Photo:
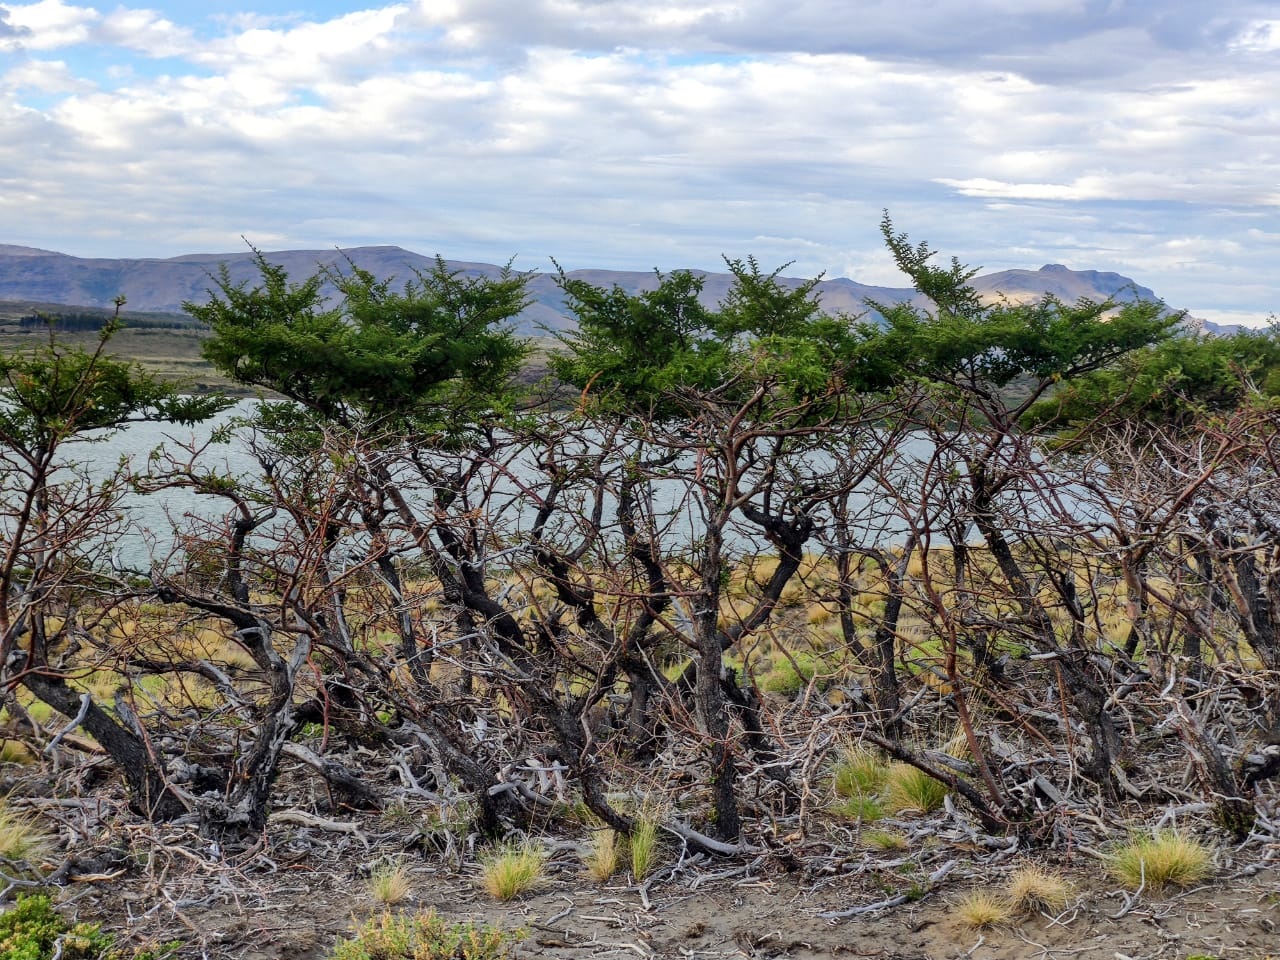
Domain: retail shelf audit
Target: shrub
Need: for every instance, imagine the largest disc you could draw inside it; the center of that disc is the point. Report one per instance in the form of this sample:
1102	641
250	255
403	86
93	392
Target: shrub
510	871
1165	858
32	930
425	936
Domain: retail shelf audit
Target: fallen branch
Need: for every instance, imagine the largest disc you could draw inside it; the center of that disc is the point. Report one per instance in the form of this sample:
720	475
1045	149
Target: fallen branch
709	844
304	819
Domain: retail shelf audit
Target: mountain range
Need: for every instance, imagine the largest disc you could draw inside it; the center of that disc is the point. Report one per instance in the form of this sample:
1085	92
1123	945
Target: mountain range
162	286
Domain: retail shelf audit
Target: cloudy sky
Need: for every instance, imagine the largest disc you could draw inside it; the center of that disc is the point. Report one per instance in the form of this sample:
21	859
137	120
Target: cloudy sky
1141	136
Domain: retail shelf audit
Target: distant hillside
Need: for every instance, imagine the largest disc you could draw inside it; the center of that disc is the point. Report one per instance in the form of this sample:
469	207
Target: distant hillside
161	286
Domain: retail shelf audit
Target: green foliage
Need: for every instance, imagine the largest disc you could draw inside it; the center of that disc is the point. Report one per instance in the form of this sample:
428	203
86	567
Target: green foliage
431	352
1172	381
425	936
789	675
626	348
32	930
648	354
981	348
56	393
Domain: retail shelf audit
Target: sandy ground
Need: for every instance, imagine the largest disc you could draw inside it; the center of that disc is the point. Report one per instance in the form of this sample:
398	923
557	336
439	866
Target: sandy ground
282	906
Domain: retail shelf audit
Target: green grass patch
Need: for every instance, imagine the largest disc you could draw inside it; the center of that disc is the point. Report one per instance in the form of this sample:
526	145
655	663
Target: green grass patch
426	936
32	930
1165	858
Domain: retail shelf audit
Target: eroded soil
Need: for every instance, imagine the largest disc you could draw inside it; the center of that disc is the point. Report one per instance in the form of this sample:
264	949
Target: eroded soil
294	898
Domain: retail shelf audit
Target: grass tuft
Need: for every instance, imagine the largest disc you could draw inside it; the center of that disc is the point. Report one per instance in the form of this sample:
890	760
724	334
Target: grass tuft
510	871
16	752
909	789
866	809
859	772
389	883
886	841
1166	858
644	847
859	779
425	936
606	852
980	910
1033	889
20	836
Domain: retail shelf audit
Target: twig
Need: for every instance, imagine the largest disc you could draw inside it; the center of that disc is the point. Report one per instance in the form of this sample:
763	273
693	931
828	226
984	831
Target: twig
85	701
1131	899
701	840
897	901
302	818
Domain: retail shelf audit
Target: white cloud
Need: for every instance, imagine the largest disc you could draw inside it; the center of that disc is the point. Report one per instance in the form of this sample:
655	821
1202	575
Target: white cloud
983	187
145	31
1260	36
631	133
50	24
45	76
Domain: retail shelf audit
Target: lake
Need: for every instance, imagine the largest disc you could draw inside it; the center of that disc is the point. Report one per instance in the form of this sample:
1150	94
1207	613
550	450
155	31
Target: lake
154	514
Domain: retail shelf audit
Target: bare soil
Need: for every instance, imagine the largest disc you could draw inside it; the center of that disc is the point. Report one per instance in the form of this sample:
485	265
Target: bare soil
297	893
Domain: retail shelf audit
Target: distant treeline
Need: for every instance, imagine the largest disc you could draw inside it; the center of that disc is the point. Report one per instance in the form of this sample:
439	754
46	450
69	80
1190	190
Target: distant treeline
80	321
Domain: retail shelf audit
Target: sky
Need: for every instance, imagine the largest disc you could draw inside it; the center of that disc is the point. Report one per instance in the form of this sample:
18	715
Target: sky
1139	136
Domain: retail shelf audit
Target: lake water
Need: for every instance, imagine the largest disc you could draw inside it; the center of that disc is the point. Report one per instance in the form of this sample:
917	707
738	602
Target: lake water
154	514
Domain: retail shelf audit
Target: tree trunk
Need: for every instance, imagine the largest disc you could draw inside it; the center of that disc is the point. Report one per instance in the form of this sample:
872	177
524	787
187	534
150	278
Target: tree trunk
149	795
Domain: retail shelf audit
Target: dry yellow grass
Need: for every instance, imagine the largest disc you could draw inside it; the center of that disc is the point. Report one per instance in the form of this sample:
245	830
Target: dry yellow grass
21	837
980	910
1166	858
1035	889
818	614
605	855
389	883
510	871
